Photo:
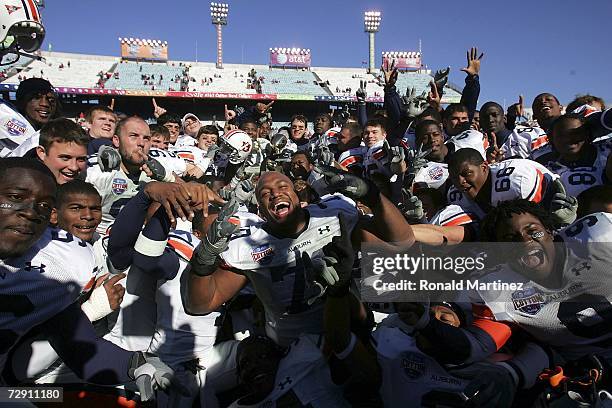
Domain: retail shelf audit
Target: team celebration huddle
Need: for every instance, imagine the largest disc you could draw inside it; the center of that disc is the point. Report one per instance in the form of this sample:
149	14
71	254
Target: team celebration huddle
150	256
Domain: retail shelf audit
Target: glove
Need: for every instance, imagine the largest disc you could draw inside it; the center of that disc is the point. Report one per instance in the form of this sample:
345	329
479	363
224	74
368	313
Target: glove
397	156
414	104
413	207
159	171
339	181
339	257
491	385
244	191
151	374
109	158
361	92
212	150
326	157
204	260
563	206
441	78
417	160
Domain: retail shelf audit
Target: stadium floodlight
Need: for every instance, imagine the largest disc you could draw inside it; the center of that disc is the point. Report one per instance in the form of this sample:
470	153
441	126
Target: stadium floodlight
371	21
218	15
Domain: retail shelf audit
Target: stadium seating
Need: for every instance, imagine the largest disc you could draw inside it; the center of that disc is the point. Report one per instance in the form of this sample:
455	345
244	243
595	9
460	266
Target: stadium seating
82	73
233	78
290	81
130	76
341	79
421	82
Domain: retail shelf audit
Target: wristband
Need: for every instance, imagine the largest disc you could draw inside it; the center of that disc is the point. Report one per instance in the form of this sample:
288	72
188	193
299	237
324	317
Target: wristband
97	306
149	247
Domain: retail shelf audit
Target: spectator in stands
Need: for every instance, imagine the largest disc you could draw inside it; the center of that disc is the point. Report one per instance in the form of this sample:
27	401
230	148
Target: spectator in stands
37	101
160	137
63	149
101	122
170	122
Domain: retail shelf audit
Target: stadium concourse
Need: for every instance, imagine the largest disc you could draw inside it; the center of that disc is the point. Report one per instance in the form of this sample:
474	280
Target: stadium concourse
185	234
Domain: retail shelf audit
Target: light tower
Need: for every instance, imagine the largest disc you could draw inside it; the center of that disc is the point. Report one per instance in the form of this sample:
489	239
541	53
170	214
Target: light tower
372	22
218	14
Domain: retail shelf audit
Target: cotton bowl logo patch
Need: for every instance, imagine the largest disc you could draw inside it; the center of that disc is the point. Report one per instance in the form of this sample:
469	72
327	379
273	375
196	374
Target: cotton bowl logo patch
528	301
119	186
413	365
436	173
262	254
15	127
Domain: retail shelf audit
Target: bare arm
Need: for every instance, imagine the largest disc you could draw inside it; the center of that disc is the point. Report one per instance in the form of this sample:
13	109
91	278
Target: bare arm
439	235
205	294
388	224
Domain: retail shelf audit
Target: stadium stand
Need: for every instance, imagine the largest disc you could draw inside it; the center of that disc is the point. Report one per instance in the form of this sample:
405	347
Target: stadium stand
81	72
340	80
421	83
233	78
160	76
290	82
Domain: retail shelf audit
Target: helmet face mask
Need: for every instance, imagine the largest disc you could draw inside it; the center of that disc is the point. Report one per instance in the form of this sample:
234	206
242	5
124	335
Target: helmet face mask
21	29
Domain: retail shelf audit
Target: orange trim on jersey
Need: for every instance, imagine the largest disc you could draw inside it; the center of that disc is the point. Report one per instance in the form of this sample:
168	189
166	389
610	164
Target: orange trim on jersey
234	220
186	156
379	154
539	142
499	332
350	160
463	219
539	190
184	249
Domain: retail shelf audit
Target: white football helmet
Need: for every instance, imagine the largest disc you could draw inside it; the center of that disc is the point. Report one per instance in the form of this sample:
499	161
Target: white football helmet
237	145
21	29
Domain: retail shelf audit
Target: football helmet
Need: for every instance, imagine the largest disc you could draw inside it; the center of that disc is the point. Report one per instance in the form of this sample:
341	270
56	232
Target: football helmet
237	145
21	29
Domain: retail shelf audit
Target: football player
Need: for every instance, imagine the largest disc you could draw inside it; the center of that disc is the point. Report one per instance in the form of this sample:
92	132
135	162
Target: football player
269	253
42	272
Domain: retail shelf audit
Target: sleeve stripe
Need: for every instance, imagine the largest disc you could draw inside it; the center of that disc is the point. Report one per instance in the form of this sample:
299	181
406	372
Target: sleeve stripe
348	161
499	332
185	250
537	193
539	142
460	219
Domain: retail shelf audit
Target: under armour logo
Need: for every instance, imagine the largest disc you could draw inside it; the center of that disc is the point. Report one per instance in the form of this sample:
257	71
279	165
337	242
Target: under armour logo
579	268
324	230
287	381
30	267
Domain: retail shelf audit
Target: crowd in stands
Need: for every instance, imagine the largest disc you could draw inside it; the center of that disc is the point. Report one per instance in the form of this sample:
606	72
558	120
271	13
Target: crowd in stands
232	264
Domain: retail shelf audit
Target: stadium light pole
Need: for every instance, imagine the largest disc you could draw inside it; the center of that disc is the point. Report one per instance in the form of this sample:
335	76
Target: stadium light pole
371	24
218	14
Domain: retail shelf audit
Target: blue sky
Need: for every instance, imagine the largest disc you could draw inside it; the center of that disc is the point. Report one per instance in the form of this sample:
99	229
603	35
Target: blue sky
530	47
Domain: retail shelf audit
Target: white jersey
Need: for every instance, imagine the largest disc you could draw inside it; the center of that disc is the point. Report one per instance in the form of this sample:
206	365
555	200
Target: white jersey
41	283
472	139
377	161
407	372
432	175
192	155
452	216
14	130
179	336
303	377
579	178
510	179
116	189
185	140
575	317
169	160
523	142
274	267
